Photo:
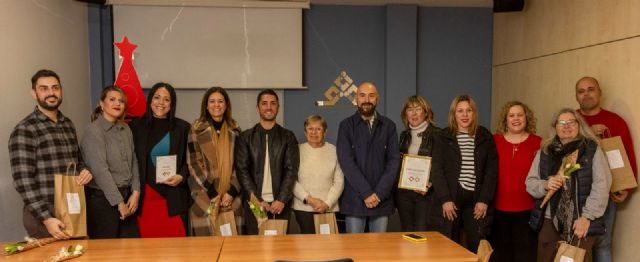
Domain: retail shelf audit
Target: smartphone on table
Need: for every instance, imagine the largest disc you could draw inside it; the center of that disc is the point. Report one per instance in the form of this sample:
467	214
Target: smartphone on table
414	237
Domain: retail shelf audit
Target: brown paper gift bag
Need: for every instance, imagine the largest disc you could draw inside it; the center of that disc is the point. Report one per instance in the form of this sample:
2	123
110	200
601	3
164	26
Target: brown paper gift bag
69	203
569	253
325	223
225	224
484	251
273	227
621	172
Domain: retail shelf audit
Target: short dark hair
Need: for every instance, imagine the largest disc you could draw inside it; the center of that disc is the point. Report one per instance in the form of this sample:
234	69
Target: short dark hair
43	73
267	92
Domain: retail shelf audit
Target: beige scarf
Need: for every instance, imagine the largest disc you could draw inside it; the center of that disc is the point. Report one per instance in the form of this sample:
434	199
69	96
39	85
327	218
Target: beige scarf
224	159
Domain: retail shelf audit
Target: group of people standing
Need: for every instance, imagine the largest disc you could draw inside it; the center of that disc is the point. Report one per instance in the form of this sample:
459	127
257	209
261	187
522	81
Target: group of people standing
482	186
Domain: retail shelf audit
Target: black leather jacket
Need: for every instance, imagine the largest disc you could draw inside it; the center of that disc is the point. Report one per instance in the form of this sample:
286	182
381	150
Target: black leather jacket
426	146
284	157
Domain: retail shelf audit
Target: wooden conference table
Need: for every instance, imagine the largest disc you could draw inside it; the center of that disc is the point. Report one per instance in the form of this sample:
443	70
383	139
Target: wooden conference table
360	247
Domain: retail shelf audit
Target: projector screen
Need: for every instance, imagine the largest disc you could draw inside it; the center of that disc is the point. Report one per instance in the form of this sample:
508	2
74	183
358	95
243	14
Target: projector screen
200	47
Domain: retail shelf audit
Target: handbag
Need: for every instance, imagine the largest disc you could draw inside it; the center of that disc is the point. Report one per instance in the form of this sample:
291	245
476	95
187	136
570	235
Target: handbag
569	253
69	203
484	251
225	224
273	227
325	223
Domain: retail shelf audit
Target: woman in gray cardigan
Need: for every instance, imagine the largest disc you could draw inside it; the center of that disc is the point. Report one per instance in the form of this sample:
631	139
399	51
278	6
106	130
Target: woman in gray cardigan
107	149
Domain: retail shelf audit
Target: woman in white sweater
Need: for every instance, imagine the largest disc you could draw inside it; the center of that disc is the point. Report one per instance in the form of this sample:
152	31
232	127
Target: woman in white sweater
320	179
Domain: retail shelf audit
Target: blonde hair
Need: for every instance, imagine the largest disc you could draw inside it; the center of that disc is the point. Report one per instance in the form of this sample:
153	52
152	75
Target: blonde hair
584	133
97	112
422	103
531	120
453	125
316	118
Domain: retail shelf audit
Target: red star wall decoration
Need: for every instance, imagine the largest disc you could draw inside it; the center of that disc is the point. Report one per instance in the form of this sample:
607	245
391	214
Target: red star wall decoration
128	80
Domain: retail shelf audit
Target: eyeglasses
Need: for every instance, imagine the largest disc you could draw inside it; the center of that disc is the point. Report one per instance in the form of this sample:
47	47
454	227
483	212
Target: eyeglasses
314	129
570	122
414	109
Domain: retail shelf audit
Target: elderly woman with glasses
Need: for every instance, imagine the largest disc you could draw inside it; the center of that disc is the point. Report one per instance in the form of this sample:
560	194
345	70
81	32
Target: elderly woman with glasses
320	179
578	199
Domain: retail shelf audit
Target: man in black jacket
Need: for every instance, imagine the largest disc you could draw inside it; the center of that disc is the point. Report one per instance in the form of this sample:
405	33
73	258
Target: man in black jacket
266	160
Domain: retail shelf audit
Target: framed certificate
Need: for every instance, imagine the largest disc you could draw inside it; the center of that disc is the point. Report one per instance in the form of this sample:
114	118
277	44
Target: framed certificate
165	167
415	172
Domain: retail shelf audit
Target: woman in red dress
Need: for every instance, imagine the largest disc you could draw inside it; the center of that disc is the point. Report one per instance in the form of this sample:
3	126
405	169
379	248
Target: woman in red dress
517	144
164	202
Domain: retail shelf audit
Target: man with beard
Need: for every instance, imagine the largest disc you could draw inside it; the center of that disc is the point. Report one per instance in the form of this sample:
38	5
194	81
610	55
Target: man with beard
266	160
604	124
40	146
368	154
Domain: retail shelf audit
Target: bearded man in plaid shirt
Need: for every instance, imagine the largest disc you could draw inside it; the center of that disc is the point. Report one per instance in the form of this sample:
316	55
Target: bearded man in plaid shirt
40	146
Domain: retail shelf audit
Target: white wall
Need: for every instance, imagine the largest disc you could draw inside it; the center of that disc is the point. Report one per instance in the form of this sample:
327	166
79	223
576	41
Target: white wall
38	34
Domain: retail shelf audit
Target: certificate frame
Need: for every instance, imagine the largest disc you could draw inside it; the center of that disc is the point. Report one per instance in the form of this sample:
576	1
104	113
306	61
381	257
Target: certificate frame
411	170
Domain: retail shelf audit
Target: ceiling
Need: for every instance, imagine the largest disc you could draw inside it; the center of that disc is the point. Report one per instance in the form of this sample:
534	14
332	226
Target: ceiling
451	3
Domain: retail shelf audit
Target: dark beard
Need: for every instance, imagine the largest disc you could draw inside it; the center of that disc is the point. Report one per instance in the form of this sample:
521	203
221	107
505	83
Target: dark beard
369	113
44	105
263	117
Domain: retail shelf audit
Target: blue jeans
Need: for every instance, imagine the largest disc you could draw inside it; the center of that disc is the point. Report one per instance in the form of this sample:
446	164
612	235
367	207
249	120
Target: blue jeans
602	247
355	224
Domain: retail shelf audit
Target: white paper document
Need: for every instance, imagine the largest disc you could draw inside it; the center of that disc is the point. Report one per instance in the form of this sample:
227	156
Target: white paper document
225	230
566	259
165	167
615	159
325	229
270	232
73	203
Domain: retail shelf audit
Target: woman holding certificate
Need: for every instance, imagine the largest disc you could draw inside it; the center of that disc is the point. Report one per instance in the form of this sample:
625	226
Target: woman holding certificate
517	144
570	180
107	149
413	197
320	179
214	185
464	175
161	147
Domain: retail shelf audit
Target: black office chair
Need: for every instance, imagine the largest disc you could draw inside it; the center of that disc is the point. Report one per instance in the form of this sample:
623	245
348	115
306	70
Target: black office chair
346	259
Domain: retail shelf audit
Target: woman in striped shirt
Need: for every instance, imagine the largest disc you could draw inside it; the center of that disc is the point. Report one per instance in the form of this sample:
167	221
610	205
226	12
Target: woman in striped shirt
464	174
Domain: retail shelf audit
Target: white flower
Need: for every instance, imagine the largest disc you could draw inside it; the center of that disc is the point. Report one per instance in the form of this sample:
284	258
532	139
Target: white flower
19	248
79	248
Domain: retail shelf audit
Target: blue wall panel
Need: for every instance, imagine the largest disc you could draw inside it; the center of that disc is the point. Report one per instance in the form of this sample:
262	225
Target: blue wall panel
455	50
337	38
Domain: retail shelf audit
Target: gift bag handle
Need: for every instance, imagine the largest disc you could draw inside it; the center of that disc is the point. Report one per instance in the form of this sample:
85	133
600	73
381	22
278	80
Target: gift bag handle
72	163
607	132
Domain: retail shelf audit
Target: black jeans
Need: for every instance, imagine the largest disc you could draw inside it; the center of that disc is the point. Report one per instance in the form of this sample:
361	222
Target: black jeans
474	229
305	221
511	237
414	210
103	220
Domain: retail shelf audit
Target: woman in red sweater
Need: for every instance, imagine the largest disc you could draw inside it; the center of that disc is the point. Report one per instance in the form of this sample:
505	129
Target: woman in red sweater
517	144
